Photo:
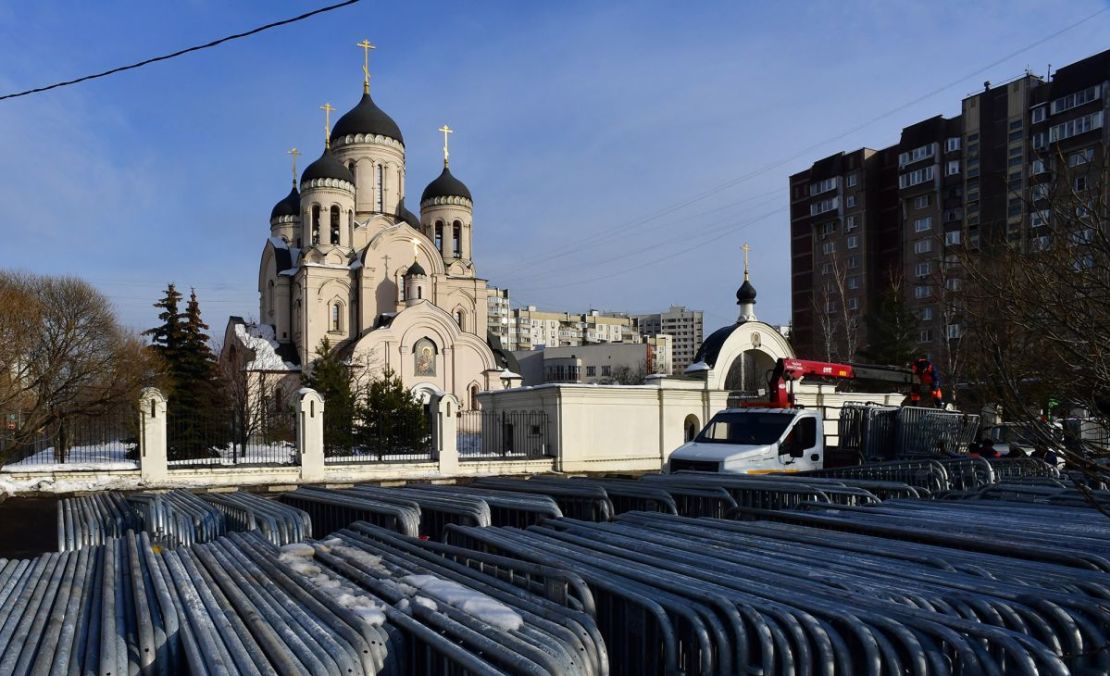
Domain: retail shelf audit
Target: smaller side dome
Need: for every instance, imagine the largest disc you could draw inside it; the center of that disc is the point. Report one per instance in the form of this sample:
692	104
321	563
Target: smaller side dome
327	166
745	294
407	216
289	206
446	185
415	270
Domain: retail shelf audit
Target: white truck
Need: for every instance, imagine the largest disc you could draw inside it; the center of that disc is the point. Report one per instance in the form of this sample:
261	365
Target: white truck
763	440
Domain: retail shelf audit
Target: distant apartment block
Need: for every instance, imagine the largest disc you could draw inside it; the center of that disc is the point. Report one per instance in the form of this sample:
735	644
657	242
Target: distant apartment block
535	329
868	221
500	317
685	328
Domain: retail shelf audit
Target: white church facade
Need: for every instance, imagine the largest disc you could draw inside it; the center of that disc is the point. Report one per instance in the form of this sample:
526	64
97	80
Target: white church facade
348	263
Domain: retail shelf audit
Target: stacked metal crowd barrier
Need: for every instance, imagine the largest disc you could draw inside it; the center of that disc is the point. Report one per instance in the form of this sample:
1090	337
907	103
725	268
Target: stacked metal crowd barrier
176	518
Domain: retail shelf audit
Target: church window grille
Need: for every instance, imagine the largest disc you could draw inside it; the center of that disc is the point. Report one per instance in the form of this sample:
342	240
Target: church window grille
439	236
456	239
379	190
334	225
315	224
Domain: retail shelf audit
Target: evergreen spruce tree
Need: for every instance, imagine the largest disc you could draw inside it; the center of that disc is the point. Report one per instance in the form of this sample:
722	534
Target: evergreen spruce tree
333	380
201	383
391	419
166	338
892	330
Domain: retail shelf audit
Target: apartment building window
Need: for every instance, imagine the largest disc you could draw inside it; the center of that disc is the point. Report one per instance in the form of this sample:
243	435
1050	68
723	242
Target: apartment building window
853	262
828	248
828	228
850	224
824	205
853	179
1082	157
822	186
953	331
1039	243
853	241
1014	207
853	282
926	336
953	284
923	246
850	201
1016	135
916	177
952	144
1080	125
853	303
923	269
917	154
923	224
591	371
922	201
1080	183
1038	218
953	167
952	238
606	370
926	314
1039	114
1076	99
921	291
1014	183
1038	167
1039	140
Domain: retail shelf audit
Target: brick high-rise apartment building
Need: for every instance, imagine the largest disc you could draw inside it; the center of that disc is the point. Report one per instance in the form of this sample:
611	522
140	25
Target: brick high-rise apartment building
867	221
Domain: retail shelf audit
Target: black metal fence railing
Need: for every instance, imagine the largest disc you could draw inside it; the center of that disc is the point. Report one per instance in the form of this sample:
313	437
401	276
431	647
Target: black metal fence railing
380	438
484	435
195	440
103	441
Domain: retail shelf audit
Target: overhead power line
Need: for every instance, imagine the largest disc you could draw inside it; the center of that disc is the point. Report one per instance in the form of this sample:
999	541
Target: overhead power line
180	52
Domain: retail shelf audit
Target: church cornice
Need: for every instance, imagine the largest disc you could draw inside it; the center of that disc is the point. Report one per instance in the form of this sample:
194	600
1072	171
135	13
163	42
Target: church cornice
375	139
334	183
284	219
446	202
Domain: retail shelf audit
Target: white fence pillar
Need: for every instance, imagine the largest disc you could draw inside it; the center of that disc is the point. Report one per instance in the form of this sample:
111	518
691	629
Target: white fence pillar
445	432
153	465
310	434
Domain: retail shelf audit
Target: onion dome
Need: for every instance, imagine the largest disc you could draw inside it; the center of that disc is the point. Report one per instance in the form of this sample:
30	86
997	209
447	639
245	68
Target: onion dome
290	206
415	270
327	167
407	216
368	119
446	186
745	294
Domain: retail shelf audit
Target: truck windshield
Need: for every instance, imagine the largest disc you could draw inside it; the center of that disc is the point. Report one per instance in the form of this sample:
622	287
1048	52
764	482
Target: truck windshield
740	427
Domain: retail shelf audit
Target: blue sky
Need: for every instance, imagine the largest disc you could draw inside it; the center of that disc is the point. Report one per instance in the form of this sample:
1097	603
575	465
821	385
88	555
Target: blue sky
619	153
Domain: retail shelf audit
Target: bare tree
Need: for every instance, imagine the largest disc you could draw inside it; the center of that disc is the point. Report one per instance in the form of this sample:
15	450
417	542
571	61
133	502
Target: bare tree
65	356
1039	307
839	325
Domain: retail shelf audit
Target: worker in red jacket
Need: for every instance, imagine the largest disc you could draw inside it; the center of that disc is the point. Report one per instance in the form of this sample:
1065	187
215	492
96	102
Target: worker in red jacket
927	382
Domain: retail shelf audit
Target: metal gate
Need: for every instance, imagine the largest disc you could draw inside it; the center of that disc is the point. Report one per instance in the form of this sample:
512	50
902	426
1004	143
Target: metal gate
485	435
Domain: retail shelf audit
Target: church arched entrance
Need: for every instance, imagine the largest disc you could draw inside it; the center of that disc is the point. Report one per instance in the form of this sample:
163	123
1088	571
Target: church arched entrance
748	373
690	427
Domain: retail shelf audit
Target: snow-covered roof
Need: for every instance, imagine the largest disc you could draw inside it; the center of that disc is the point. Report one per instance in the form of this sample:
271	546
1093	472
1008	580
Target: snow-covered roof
260	339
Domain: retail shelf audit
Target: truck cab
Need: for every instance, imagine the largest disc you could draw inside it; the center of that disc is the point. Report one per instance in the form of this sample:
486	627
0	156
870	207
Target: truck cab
755	441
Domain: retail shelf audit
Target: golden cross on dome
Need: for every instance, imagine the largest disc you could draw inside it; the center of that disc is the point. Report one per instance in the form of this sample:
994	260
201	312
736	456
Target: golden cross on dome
746	249
446	130
294	152
366	46
327	108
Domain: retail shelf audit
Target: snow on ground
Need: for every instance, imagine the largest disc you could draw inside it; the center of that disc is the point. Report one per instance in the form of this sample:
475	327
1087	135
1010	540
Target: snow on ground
260	338
281	452
90	457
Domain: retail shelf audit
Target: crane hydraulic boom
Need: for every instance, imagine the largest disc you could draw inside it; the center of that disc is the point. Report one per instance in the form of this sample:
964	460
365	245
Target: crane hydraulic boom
790	370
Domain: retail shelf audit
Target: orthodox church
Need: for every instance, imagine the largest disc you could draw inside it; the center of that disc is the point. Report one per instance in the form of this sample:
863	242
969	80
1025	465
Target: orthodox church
349	263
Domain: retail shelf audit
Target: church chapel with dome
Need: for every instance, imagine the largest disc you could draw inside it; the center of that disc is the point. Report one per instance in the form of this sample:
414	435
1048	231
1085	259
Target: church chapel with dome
347	261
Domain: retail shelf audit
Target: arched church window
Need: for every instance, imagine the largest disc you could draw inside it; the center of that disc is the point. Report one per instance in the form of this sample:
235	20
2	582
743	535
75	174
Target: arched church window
315	224
270	296
474	397
459	318
456	239
351	168
337	317
379	188
350	218
439	236
419	292
334	225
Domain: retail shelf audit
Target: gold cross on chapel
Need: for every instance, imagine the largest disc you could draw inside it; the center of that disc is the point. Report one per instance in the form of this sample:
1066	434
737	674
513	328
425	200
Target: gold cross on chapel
446	130
746	249
366	46
327	108
293	152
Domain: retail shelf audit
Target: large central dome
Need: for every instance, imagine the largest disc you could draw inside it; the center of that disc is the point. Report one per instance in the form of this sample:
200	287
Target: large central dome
368	119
